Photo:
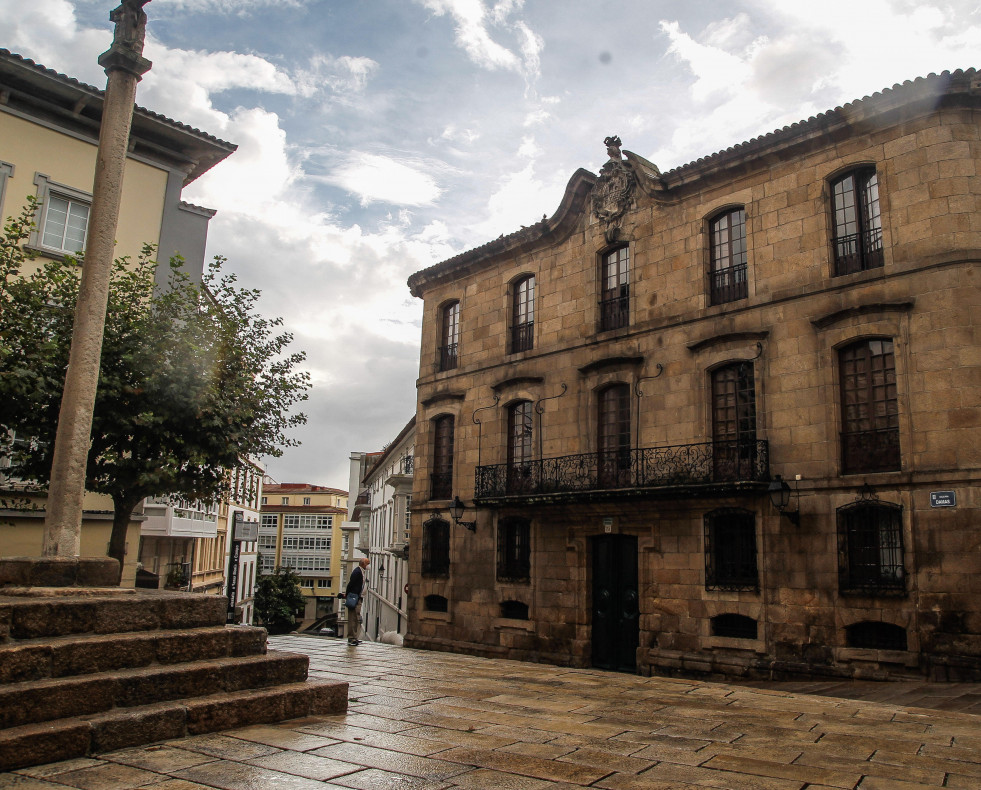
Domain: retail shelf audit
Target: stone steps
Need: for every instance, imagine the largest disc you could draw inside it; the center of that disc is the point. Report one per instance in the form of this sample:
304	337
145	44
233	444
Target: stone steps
52	657
85	670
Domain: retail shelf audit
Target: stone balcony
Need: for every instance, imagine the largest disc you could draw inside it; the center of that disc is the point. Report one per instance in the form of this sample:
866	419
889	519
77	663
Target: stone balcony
706	469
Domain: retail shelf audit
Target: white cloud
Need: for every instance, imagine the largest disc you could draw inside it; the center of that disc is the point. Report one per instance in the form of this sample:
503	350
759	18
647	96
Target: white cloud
381	178
342	76
474	36
236	7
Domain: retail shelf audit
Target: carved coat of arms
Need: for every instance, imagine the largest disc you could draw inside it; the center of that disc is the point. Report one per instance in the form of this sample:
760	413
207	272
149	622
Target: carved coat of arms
613	191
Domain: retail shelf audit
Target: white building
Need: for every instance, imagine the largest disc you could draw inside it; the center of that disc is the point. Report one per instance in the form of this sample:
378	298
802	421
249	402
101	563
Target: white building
383	509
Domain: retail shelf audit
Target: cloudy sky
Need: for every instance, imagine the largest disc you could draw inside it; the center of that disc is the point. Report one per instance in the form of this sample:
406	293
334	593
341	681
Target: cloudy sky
377	137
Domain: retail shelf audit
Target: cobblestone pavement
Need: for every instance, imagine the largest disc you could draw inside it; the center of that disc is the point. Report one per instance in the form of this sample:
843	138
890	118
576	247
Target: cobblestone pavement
426	721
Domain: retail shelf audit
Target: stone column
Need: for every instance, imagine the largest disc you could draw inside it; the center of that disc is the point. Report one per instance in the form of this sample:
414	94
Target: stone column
124	64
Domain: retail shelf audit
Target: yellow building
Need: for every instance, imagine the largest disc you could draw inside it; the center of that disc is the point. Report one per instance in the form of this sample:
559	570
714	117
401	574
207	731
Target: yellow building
49	129
301	529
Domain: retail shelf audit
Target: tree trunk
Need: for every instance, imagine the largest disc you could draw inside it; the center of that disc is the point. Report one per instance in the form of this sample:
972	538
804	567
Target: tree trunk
121	514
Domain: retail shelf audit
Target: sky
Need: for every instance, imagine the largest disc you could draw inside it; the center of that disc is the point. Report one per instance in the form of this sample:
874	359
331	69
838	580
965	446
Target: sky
379	137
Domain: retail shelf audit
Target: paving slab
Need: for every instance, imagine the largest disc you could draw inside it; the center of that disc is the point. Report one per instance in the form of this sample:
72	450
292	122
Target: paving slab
421	720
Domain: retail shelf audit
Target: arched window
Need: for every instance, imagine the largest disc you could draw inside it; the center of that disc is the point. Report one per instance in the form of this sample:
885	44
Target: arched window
514	550
857	224
730	550
613	436
523	315
728	254
442	474
875	635
734	626
520	435
615	289
436	603
514	610
869	408
436	547
734	422
870	549
449	336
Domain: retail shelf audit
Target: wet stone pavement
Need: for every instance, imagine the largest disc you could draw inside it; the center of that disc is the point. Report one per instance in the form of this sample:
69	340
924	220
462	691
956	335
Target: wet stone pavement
425	721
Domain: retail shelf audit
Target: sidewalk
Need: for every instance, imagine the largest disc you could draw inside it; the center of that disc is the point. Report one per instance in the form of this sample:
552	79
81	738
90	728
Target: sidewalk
426	721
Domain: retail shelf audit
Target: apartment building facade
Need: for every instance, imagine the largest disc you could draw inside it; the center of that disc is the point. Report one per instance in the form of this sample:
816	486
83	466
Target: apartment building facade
720	420
300	528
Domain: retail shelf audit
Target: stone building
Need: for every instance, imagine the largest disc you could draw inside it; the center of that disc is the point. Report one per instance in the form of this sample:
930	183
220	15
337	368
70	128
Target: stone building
722	419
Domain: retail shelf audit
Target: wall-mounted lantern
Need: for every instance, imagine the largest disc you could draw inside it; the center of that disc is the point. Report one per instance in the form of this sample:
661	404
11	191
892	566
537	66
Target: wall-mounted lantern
456	510
780	495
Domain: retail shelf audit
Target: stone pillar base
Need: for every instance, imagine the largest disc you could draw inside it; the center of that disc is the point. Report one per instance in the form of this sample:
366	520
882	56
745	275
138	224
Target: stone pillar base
59	572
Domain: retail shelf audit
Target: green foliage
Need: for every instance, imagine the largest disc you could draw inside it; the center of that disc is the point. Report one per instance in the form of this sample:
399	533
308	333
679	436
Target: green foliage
192	379
277	597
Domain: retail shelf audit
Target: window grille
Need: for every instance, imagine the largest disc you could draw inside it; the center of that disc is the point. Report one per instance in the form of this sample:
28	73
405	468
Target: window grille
870	549
436	547
730	550
513	549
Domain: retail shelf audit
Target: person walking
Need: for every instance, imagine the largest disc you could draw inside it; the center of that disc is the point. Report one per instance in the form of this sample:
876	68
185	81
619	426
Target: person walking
354	595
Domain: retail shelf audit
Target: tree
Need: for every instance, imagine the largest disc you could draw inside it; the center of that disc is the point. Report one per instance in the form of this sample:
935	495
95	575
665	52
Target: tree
277	598
192	379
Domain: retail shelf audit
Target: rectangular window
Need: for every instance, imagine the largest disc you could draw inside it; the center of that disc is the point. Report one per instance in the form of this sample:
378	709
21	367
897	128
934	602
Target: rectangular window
322	583
270	520
728	250
436	547
857	223
311	521
306	582
66	222
730	550
442	475
306	500
615	290
284	500
734	448
869	408
514	550
267	541
613	439
449	336
265	501
523	315
870	549
306	562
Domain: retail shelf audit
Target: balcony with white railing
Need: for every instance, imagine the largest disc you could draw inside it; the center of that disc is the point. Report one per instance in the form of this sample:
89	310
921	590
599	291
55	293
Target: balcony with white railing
179	519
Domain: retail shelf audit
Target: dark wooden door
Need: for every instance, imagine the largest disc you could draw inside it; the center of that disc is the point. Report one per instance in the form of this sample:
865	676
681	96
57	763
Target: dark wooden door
615	616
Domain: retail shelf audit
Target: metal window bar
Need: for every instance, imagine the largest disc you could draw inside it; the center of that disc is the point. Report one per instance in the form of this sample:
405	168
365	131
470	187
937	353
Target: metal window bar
436	548
615	310
729	284
448	357
730	550
514	550
522	337
870	550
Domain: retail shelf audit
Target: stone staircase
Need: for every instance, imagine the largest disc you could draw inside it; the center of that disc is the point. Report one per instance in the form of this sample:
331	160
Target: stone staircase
87	670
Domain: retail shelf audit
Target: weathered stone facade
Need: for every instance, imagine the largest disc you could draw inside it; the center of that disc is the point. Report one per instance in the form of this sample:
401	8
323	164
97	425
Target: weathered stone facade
811	361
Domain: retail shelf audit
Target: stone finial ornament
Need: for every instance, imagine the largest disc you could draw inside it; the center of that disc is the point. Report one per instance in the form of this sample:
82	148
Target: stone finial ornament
614	190
613	144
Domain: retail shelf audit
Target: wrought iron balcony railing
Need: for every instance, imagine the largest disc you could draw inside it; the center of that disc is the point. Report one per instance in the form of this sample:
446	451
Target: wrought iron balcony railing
670	470
870	451
856	252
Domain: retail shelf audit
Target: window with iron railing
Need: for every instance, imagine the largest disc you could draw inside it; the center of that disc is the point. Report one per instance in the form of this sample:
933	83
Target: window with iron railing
613	436
449	336
523	315
615	290
734	420
870	549
857	223
728	253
